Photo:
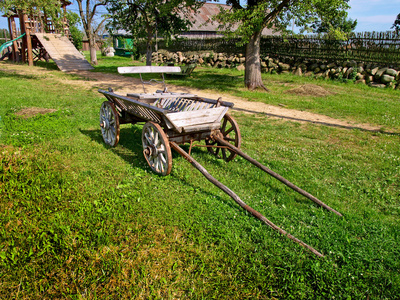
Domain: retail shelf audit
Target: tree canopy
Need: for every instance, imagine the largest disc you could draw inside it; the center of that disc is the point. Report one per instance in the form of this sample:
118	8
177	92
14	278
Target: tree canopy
251	18
77	36
396	24
52	8
143	19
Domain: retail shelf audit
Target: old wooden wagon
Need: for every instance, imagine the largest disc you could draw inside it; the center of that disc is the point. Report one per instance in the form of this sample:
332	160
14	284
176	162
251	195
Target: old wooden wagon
173	119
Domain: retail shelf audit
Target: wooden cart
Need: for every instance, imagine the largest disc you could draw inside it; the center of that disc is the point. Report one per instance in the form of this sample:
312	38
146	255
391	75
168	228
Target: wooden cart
172	119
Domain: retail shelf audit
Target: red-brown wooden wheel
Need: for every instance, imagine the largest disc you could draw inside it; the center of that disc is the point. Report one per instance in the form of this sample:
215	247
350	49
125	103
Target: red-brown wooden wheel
109	123
231	133
156	148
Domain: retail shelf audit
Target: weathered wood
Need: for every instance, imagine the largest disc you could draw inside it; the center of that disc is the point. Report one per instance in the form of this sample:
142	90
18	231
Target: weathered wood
238	200
155	96
29	49
190	118
63	52
24	42
275	175
148	69
201	127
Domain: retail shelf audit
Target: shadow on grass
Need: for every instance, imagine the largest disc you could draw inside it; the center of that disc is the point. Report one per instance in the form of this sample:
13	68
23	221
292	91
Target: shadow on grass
204	80
317	122
50	65
130	149
106	69
13	75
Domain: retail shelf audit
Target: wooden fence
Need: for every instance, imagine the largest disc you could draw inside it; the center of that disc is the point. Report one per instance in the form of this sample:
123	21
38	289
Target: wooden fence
375	47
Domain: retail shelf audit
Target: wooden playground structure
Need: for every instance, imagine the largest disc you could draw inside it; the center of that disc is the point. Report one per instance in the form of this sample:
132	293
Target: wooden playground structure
37	38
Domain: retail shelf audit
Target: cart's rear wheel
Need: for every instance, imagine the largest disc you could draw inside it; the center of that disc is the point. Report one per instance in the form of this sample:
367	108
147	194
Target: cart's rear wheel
231	133
156	148
109	123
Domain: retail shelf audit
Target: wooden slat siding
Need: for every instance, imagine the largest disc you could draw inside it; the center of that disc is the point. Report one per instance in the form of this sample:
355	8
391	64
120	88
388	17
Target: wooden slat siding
148	69
191	106
198	117
63	52
202	127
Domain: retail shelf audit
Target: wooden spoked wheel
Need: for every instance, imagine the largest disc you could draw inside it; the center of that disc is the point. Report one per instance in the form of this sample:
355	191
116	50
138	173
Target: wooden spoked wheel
109	123
231	133
156	148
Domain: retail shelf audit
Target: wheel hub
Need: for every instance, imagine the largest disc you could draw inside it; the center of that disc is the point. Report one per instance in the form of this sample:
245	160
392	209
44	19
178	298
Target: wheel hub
105	124
151	151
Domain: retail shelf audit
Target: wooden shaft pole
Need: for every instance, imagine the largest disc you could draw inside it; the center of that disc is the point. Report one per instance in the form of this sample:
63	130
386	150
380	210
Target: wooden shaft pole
220	140
238	200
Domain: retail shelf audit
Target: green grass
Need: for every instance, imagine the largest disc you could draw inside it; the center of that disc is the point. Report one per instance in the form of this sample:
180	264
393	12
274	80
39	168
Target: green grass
81	220
356	103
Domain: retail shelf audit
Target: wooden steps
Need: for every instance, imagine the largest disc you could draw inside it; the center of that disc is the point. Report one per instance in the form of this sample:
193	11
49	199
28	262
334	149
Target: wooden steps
63	52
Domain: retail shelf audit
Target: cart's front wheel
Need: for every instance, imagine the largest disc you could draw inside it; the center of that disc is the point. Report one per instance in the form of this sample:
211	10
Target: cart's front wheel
231	133
156	148
109	123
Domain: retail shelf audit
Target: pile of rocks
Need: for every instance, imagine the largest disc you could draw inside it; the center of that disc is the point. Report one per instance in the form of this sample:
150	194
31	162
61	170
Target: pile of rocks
363	73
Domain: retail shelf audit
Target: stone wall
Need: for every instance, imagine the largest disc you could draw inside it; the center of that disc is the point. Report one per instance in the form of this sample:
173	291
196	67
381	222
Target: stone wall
359	72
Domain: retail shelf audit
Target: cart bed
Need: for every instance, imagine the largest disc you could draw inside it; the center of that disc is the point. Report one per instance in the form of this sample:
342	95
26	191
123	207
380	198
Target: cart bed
176	111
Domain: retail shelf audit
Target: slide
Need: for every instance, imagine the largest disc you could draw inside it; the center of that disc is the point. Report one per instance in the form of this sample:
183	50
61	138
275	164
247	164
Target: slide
9	43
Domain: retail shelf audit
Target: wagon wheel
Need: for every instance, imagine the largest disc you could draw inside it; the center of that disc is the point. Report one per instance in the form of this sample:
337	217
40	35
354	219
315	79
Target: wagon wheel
156	148
109	123
231	133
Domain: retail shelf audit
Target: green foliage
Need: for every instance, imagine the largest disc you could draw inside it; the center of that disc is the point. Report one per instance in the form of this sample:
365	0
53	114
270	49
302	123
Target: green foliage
34	7
144	19
396	24
77	35
335	24
256	15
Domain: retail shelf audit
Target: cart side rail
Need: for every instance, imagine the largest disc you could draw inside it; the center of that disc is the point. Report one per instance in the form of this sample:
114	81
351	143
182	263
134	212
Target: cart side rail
141	110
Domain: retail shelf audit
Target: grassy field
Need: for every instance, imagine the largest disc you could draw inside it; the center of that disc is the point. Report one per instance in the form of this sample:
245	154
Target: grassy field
347	101
81	220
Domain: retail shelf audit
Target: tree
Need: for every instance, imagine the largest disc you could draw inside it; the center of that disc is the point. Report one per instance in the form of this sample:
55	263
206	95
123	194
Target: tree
335	24
73	21
256	15
143	19
87	12
396	24
32	7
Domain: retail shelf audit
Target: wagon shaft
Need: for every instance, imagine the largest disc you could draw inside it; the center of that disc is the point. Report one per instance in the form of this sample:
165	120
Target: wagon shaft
238	200
217	137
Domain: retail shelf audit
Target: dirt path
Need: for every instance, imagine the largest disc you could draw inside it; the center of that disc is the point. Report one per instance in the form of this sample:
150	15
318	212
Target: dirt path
123	85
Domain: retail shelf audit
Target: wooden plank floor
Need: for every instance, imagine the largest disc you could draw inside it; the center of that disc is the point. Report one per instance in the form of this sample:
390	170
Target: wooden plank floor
63	52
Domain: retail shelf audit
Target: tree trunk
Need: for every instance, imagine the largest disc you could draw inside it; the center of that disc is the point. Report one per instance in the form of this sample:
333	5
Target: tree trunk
92	47
149	51
252	76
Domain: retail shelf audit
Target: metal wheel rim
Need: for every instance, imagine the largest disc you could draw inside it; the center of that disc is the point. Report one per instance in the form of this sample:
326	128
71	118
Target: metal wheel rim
231	133
109	123
156	148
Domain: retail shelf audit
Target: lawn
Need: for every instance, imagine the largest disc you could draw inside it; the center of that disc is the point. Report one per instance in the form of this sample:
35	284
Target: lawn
346	101
81	220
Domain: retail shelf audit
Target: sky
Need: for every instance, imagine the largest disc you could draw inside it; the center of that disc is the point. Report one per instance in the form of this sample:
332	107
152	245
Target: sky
371	15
